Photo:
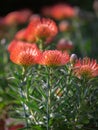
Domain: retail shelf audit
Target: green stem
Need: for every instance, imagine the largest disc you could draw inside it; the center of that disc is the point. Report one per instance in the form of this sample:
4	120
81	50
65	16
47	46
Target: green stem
40	43
48	110
24	107
48	98
23	97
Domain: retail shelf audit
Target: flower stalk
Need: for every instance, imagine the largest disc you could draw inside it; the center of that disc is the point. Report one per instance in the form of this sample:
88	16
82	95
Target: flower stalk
23	96
48	96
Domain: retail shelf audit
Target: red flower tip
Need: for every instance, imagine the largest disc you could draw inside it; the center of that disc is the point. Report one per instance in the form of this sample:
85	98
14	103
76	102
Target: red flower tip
86	68
25	54
41	29
54	58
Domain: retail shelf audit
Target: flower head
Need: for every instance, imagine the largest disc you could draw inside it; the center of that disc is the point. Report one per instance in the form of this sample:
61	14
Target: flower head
86	68
40	29
61	11
11	18
25	54
13	44
17	17
54	58
20	34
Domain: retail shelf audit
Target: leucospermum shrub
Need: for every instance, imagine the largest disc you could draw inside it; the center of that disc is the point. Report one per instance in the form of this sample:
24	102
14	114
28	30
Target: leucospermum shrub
53	90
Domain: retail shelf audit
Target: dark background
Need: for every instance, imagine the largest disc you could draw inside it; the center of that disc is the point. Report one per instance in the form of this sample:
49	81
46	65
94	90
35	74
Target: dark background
35	5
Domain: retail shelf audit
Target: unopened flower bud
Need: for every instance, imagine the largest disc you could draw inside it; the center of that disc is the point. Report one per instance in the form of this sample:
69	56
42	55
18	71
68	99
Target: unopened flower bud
95	5
59	92
64	44
73	58
34	17
64	26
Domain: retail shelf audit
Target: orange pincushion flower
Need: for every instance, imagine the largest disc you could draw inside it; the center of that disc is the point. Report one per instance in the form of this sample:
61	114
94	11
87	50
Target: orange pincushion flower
26	54
41	29
86	68
54	58
11	18
61	11
16	43
17	17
